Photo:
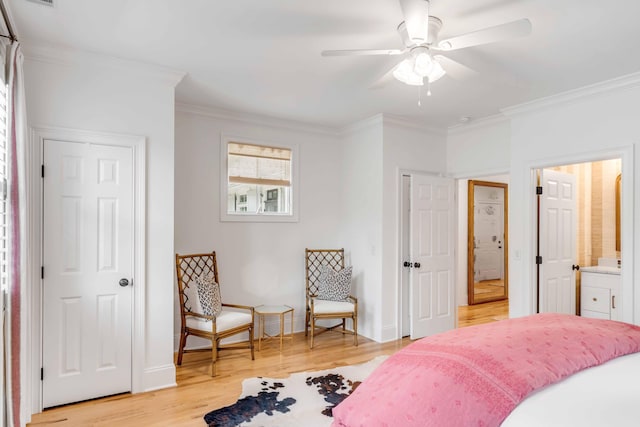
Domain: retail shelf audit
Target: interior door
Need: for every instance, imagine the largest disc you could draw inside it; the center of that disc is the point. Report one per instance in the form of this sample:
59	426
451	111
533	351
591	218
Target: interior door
87	251
489	236
405	208
558	230
432	290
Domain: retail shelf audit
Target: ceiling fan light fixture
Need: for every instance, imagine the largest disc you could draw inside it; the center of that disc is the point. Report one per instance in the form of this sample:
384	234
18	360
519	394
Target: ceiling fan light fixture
423	64
405	73
436	71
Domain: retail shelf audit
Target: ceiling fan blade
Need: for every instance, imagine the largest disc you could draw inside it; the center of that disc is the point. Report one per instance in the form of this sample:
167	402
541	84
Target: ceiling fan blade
361	52
454	68
519	28
416	19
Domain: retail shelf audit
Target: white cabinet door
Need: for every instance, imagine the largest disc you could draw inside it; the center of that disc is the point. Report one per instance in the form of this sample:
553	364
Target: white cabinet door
432	290
558	233
87	250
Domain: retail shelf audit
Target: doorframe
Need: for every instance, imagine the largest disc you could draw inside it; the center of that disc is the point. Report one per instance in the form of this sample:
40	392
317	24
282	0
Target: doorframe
35	215
461	260
399	203
626	155
471	183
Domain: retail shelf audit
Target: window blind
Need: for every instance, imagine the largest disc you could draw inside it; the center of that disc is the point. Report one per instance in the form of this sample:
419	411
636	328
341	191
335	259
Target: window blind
258	164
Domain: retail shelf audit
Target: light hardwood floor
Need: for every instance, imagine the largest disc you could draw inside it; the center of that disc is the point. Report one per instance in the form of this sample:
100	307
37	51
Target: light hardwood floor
197	393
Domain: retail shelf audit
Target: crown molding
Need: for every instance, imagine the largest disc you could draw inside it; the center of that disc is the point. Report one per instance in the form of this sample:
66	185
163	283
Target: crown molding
399	121
255	119
384	119
61	55
484	122
279	123
371	122
623	82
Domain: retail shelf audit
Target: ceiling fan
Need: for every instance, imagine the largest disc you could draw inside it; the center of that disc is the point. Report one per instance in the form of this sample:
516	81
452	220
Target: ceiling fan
419	34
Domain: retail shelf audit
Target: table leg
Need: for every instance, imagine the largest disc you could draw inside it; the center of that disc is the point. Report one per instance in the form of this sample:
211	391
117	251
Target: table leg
260	330
291	330
281	329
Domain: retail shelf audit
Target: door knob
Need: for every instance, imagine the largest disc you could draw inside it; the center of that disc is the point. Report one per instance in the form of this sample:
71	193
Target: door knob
124	282
416	265
575	267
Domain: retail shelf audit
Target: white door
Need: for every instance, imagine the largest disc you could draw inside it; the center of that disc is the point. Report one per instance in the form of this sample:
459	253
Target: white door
558	230
405	208
87	250
489	235
432	290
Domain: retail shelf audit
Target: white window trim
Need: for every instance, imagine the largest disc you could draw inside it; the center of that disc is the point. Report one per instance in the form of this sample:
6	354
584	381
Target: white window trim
224	186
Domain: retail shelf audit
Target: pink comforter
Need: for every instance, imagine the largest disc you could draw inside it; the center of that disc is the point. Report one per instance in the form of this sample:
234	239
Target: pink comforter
476	376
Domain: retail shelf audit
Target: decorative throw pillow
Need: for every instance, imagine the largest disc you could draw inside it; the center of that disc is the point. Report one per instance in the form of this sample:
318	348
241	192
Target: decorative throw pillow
209	295
334	285
191	300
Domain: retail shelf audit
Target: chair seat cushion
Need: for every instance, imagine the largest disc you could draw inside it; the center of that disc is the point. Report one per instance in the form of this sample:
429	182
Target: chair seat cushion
328	307
224	321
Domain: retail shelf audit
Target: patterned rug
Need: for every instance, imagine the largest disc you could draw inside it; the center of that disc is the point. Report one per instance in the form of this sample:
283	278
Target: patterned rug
302	399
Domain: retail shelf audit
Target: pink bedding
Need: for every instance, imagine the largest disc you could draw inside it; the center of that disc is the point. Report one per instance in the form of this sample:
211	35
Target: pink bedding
476	376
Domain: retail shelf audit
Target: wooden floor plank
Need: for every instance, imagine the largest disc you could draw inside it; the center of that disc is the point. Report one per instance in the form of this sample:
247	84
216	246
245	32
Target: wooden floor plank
198	393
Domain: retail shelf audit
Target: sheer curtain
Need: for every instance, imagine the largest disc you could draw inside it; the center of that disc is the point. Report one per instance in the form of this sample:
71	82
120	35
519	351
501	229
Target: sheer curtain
16	319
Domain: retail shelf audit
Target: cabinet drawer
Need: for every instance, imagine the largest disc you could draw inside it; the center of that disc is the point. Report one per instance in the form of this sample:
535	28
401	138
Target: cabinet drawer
594	314
600	280
596	299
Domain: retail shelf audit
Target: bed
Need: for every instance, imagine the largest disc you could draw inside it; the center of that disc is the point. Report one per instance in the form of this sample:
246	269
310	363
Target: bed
541	370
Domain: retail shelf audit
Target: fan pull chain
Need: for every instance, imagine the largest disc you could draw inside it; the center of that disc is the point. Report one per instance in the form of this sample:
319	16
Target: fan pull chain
419	96
428	87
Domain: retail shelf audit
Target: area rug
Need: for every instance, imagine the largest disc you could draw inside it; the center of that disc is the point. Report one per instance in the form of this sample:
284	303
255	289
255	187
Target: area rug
303	399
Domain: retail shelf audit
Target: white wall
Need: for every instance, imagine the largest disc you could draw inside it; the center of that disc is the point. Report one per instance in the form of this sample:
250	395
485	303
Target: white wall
475	151
362	202
259	262
480	148
87	92
602	123
349	194
407	148
594	123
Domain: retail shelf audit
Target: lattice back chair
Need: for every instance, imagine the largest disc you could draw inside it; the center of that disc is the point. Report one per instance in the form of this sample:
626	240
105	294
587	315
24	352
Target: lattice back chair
318	309
234	319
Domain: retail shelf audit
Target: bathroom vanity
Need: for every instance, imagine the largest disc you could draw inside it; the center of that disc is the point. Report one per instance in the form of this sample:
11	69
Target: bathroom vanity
600	292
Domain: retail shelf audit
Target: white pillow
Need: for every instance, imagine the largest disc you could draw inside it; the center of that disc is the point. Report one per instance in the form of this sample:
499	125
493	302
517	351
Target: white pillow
209	295
191	299
334	285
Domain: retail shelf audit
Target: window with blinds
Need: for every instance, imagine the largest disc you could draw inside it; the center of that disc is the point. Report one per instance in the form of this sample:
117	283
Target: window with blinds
259	179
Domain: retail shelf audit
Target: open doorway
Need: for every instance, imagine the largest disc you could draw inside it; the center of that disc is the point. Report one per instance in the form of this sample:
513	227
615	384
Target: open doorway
578	238
485	300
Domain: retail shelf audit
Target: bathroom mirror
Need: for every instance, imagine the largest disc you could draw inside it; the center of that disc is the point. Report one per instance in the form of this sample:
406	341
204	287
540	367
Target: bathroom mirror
487	277
618	181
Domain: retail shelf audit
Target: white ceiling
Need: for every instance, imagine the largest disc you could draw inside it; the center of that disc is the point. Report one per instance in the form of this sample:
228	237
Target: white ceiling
263	56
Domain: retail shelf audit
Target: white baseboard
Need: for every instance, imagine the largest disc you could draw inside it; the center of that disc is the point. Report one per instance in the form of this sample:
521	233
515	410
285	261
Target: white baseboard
389	333
159	377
